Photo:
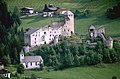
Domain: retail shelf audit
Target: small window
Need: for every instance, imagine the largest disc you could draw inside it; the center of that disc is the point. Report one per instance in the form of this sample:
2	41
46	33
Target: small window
44	42
44	32
71	32
91	29
26	65
64	29
35	38
50	35
68	30
35	42
50	39
36	63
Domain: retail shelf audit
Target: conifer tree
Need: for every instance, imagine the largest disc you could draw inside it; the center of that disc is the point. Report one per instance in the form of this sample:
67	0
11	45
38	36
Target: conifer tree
15	16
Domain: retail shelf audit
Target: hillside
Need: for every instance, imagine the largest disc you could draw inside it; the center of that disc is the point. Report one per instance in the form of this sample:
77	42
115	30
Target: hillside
97	13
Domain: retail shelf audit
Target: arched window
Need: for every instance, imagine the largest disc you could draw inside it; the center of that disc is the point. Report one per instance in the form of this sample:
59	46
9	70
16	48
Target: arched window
45	42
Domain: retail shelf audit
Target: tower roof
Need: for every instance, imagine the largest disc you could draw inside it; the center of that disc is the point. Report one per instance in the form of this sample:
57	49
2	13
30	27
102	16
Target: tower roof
91	27
22	52
109	38
68	13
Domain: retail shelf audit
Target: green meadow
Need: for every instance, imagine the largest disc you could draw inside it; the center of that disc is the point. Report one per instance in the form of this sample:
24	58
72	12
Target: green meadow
91	72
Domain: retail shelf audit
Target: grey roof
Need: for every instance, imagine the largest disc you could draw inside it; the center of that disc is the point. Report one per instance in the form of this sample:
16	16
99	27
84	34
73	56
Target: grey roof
68	13
33	59
30	31
63	9
57	24
22	51
109	38
28	8
91	27
52	8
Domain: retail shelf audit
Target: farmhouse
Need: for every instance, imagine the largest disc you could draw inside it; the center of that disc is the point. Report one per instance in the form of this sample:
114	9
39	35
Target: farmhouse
100	32
27	10
4	72
50	33
50	10
30	62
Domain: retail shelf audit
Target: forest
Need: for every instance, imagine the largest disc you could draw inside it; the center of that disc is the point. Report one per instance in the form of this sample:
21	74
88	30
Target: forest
71	54
11	39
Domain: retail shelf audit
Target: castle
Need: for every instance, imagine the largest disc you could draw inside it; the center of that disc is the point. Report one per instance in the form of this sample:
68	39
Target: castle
100	32
50	33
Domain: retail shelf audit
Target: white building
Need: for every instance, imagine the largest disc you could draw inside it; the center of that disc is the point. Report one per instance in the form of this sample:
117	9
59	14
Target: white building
27	10
50	33
49	10
4	72
30	62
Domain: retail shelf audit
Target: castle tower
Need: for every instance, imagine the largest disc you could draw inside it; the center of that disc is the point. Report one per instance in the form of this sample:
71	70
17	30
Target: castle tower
21	55
109	42
68	28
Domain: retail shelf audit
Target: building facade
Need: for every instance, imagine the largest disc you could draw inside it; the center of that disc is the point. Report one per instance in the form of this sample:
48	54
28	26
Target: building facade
50	33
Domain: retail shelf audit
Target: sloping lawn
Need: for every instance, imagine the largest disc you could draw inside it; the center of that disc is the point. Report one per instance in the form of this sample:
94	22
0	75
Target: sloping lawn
80	72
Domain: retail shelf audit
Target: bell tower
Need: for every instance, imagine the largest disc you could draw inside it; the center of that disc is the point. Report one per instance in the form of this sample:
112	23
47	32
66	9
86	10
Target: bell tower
21	55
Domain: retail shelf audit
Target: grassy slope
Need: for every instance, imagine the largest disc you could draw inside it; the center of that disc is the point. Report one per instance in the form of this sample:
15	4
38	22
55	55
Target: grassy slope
36	21
79	72
97	13
82	73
